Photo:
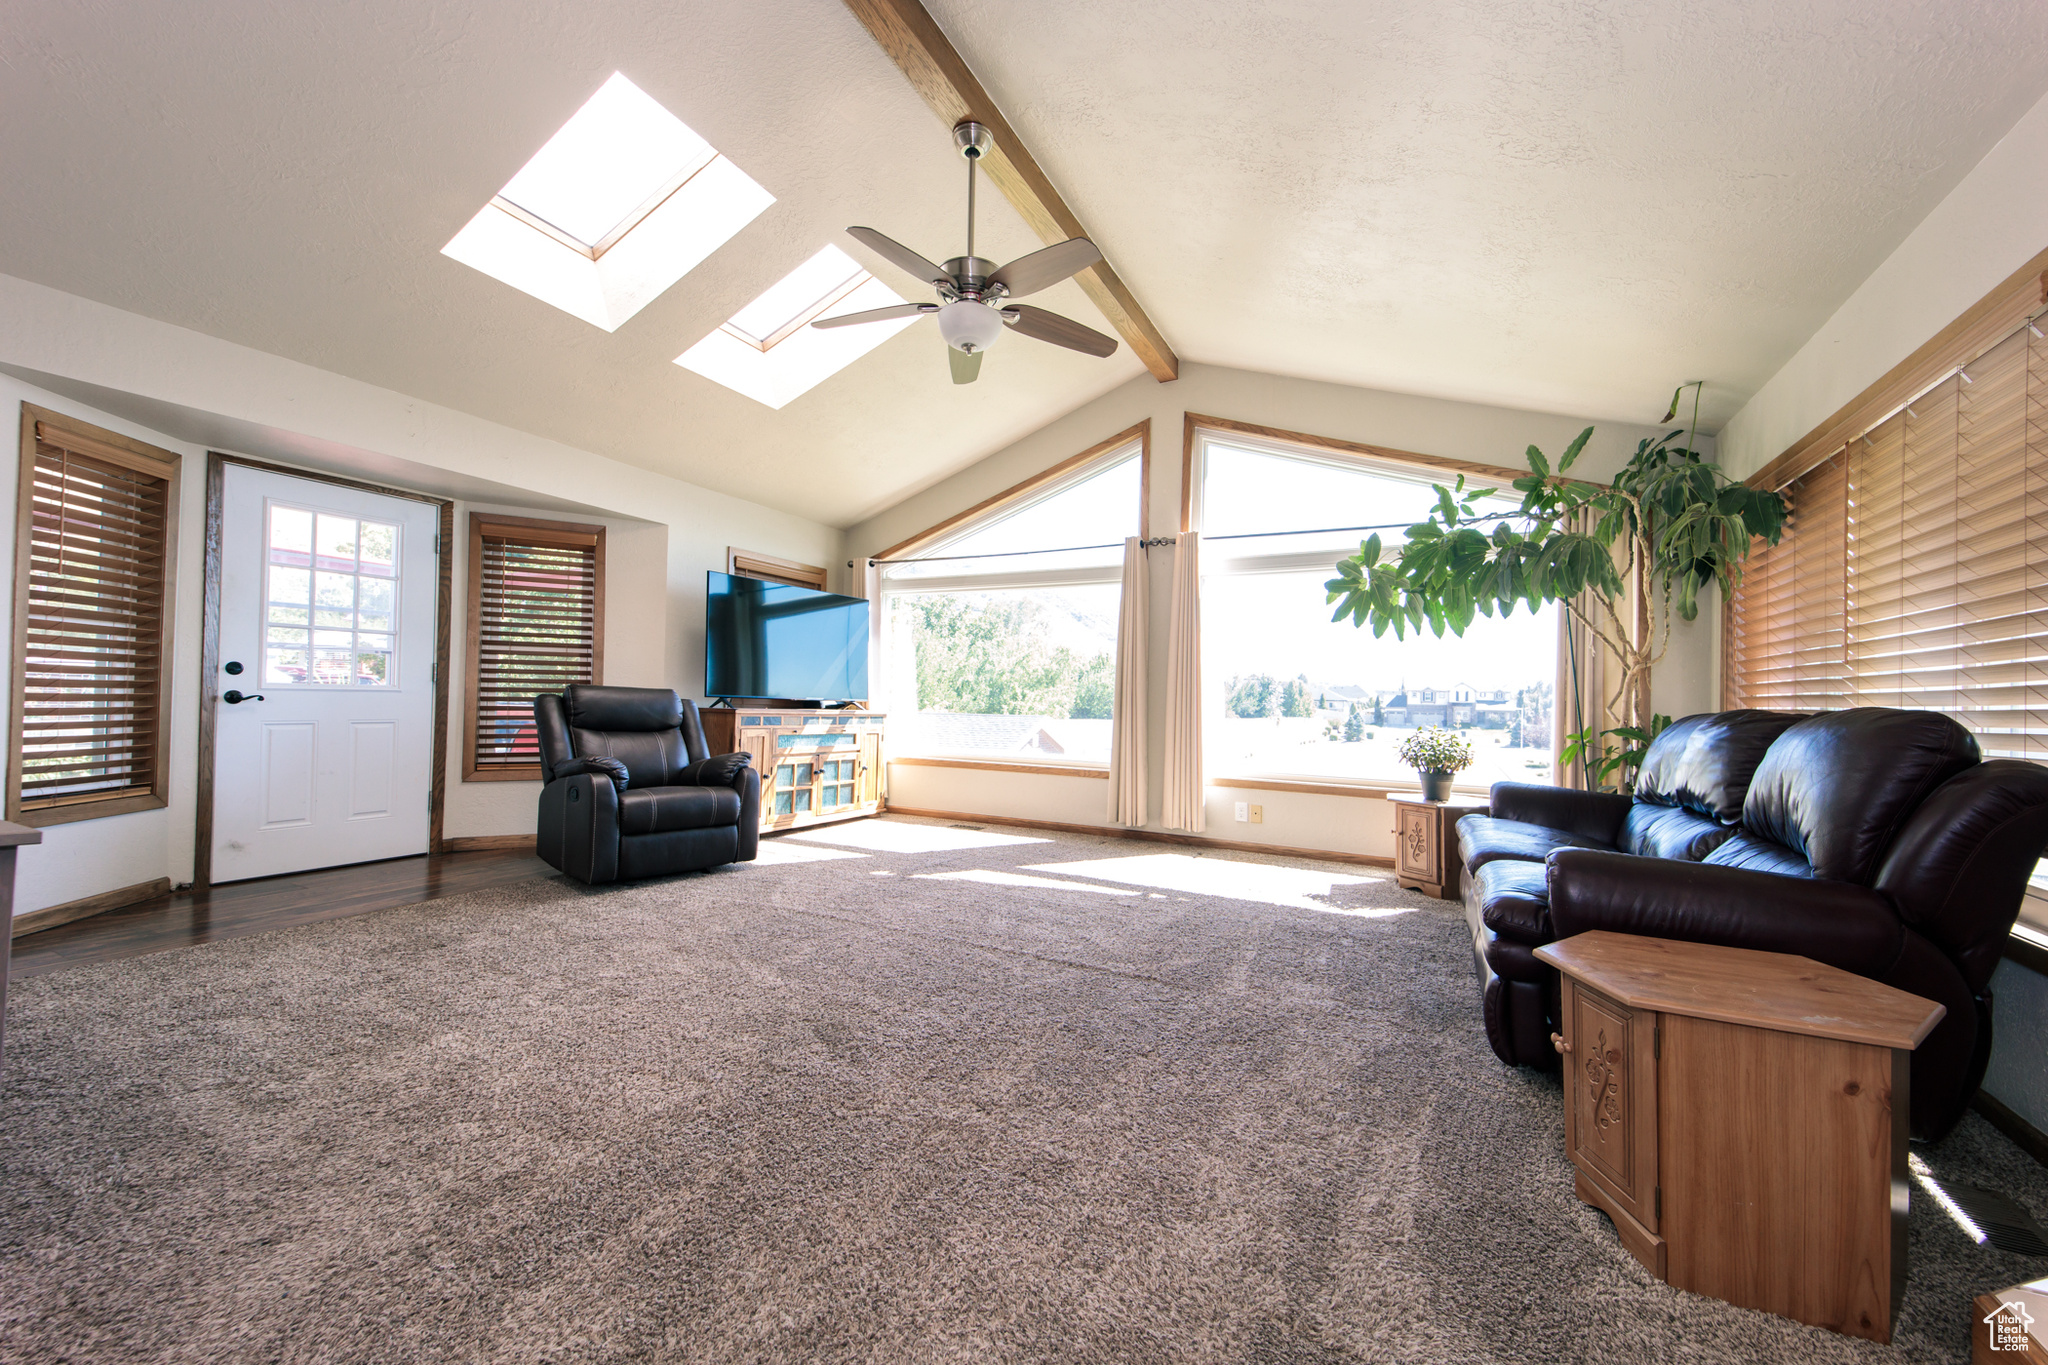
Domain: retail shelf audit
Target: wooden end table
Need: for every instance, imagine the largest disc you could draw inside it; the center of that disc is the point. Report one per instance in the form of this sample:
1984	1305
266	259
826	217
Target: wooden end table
1426	842
1741	1116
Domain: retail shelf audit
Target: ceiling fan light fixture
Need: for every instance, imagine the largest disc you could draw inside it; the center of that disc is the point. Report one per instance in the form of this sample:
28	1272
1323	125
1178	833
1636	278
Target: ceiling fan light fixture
968	326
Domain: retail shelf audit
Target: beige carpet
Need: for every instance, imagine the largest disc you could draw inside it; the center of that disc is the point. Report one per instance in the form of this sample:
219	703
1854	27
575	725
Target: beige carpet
948	1096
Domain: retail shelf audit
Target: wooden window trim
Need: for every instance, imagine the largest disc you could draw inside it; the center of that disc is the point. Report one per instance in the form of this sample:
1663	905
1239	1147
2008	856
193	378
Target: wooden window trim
1141	433
113	448
534	531
1986	323
1194	423
748	564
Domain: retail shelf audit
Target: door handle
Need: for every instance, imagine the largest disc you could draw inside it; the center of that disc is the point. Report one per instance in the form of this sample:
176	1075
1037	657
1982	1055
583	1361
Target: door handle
234	698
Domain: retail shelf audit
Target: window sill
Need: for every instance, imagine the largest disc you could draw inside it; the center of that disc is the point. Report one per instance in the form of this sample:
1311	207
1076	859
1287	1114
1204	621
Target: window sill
88	808
1379	791
1002	766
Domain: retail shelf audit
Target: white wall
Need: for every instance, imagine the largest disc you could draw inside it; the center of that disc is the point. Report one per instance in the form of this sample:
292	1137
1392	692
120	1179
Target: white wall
1686	683
1991	224
189	393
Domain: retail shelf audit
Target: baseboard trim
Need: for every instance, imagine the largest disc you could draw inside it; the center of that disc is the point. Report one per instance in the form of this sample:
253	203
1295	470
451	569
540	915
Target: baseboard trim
2031	1140
50	916
1151	835
474	843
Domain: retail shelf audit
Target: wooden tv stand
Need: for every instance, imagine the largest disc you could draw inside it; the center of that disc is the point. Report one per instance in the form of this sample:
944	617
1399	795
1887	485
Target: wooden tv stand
816	766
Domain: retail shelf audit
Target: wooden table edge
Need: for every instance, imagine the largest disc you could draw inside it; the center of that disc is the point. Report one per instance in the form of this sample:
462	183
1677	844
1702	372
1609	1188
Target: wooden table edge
1559	954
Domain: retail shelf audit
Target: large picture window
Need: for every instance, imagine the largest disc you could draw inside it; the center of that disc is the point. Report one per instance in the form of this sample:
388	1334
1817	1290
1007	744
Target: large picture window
999	641
1291	695
95	539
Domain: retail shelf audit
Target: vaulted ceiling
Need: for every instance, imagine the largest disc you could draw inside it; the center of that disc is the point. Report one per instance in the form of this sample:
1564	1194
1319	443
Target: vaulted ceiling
1567	207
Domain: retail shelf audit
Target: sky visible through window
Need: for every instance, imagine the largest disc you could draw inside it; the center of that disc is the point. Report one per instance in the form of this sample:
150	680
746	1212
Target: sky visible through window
1283	679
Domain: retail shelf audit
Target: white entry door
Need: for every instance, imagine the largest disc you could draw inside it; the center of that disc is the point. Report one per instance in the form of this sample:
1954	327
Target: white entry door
324	731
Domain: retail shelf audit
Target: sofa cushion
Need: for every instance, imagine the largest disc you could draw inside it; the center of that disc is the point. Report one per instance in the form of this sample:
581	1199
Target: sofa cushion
661	810
1514	900
1482	839
1838	787
1671	832
1758	855
1704	763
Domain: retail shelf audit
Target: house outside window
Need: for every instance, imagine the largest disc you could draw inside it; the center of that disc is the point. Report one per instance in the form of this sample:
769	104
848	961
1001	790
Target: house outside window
1291	694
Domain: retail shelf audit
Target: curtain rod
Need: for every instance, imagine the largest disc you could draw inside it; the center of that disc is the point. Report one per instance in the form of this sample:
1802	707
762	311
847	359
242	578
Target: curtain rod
1168	540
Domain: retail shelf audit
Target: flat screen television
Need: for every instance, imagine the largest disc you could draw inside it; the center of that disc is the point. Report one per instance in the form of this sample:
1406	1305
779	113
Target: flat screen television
765	639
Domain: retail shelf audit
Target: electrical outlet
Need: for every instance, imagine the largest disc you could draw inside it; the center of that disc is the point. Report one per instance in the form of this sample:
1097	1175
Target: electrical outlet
1243	812
1258	815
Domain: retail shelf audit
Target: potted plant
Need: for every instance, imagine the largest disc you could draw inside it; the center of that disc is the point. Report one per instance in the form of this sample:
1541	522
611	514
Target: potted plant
1625	558
1437	755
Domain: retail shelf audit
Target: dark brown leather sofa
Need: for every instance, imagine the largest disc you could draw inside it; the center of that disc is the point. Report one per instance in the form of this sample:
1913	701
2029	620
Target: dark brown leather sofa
632	791
1874	840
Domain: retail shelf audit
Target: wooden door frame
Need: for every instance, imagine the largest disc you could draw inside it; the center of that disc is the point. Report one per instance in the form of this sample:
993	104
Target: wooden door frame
209	643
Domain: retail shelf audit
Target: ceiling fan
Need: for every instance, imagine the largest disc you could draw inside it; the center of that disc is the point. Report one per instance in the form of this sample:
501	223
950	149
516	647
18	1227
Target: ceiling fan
971	312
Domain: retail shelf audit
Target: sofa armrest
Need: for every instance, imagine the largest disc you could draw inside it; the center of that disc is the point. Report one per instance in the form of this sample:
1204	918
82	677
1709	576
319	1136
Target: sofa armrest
738	772
595	764
720	770
578	830
1590	815
1838	923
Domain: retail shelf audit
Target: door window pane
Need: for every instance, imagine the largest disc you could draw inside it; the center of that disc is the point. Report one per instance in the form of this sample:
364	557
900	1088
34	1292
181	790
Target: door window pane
338	575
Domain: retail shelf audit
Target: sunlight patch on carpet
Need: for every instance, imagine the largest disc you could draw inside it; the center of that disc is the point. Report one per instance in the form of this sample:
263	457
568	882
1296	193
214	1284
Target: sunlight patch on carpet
994	878
1295	888
884	836
777	853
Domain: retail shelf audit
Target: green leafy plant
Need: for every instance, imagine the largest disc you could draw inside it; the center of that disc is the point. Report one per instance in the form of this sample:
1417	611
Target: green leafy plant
1434	749
1604	760
1624	558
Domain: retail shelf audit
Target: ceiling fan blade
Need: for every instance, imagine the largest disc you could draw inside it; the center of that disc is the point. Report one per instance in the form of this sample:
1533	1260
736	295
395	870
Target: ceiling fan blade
965	367
1040	325
899	255
1044	269
894	310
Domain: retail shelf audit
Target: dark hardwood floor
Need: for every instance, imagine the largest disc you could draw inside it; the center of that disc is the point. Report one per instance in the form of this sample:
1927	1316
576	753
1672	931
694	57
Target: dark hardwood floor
184	918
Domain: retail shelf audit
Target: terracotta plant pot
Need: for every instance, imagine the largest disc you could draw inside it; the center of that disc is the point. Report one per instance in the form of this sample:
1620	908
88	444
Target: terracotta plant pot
1436	786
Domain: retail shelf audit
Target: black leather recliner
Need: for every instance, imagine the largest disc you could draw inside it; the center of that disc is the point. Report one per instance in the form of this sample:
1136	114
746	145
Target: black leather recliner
1874	840
631	791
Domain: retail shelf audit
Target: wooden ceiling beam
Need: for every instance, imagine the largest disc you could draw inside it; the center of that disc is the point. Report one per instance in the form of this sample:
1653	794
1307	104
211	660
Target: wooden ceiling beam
918	46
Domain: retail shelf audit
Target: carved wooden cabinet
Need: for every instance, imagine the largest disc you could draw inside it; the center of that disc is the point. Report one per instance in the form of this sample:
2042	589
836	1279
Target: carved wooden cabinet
816	766
1741	1116
1426	843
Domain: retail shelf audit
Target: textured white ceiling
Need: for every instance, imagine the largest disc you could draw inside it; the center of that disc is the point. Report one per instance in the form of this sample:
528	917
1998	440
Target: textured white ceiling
1569	206
284	173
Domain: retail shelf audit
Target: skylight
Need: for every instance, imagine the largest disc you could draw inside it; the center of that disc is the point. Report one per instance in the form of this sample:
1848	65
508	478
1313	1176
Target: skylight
797	298
623	201
770	352
613	162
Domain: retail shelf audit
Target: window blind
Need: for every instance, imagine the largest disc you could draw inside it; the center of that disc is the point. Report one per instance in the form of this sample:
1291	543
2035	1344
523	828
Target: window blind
1785	640
92	564
536	625
1915	570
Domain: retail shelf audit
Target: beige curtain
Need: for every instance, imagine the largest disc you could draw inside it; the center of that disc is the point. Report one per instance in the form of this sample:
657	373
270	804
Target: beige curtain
1183	797
1127	716
1579	700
